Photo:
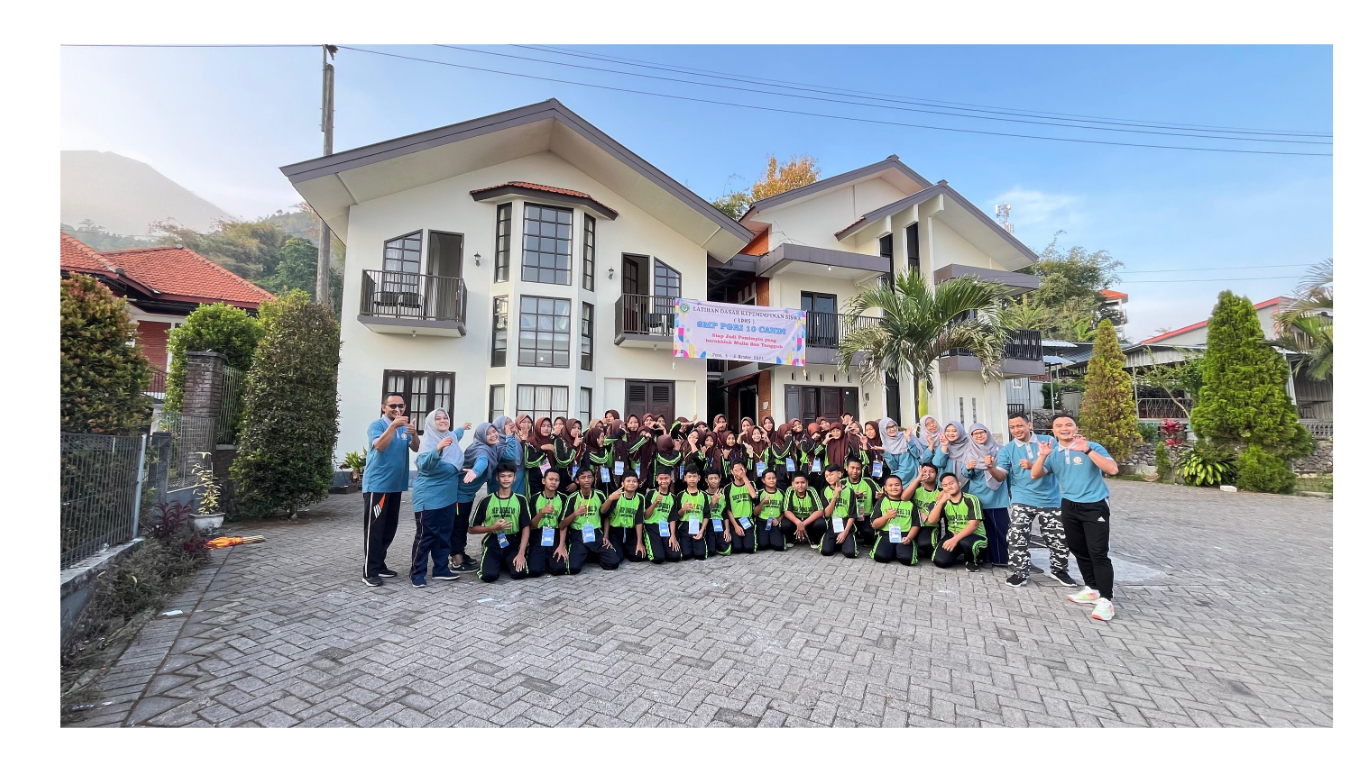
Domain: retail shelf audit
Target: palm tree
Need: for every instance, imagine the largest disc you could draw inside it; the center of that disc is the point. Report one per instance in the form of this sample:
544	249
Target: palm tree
1311	335
918	325
1314	293
1022	315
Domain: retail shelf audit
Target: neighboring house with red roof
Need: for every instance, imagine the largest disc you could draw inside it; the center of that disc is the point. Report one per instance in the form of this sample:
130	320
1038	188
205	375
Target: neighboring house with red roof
162	285
1195	333
1115	300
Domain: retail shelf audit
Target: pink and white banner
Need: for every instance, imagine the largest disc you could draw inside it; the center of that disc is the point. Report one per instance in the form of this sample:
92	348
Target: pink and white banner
713	330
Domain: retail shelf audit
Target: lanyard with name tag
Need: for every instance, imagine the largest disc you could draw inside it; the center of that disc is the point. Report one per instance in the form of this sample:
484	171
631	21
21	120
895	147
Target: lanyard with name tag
694	526
618	468
588	534
547	537
545	465
606	478
664	530
716	524
815	465
839	524
760	467
574	472
791	465
877	469
768	524
896	534
744	523
502	540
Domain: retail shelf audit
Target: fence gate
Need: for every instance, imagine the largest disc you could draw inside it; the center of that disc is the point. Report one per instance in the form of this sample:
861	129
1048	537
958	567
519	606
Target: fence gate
99	487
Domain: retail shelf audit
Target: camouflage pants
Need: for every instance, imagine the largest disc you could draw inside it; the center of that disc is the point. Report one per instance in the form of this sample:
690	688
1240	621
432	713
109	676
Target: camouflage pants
1050	527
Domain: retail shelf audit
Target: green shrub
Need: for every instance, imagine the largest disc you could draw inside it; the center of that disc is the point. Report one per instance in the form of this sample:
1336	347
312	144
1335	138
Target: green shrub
1108	415
211	328
1164	463
1206	465
103	370
1148	431
1243	401
289	411
1264	473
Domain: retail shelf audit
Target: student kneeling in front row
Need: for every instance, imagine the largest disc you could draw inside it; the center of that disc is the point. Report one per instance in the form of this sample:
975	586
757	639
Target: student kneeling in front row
963	514
505	520
583	531
897	526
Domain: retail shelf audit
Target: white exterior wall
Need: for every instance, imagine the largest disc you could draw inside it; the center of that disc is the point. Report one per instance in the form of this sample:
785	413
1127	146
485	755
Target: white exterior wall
1266	317
815	220
446	206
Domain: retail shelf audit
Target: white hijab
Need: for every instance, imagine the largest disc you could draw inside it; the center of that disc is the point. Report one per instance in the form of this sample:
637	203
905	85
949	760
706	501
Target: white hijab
431	437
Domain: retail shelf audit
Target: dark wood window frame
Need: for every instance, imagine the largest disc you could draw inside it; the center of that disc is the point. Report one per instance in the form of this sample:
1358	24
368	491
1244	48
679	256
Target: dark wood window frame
586	338
422	391
913	249
499	356
552	340
502	245
556	262
590	251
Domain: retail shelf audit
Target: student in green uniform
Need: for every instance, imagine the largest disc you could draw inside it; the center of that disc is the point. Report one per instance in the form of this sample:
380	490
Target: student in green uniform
866	495
963	536
768	528
582	526
803	519
691	532
923	492
546	553
839	510
505	520
740	500
897	524
718	533
661	543
624	512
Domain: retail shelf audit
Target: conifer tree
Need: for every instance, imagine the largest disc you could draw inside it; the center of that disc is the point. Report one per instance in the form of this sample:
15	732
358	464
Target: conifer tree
103	370
1108	415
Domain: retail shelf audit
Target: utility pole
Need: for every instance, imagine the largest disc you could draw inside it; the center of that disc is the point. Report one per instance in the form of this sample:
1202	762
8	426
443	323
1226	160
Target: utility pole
324	285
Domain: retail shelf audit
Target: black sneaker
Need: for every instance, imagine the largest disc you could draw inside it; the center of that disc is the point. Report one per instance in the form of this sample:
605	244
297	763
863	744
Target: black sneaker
372	581
1063	578
385	573
974	567
1016	580
466	564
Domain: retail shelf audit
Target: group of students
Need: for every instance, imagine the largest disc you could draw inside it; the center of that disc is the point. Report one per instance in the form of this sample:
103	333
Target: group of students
560	497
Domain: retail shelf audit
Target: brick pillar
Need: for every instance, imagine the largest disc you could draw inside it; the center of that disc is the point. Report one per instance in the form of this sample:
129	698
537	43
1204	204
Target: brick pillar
203	383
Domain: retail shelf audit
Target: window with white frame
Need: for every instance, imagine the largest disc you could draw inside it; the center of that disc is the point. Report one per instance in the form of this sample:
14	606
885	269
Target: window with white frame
543	333
539	400
546	240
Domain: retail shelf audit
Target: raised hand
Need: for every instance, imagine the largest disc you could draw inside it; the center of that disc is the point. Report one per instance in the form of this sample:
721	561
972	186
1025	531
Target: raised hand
445	443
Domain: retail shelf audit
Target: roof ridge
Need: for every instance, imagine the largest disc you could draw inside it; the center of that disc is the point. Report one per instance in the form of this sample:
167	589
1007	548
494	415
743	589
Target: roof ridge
91	252
210	262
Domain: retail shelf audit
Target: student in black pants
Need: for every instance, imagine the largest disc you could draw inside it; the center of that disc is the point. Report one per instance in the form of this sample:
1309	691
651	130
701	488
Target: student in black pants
625	519
963	536
718	534
661	542
739	517
768	523
897	524
803	519
505	521
691	528
547	508
839	511
583	531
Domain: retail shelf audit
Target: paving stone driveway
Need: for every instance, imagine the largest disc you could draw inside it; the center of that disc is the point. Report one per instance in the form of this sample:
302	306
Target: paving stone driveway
284	634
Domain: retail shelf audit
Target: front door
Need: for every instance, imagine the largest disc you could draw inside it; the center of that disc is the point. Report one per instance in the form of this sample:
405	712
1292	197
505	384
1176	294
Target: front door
646	396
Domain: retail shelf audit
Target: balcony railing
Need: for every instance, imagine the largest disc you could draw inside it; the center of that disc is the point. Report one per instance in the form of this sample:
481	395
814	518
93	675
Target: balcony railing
639	315
156	385
408	296
825	329
1024	345
1163	408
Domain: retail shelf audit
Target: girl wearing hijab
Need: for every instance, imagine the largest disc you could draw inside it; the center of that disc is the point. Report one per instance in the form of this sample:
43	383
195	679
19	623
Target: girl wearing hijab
813	459
480	460
755	443
719	423
950	449
746	424
929	435
770	428
439	461
598	458
703	452
640	444
783	456
835	447
537	453
616	444
897	452
873	464
667	457
731	453
568	450
993	493
509	451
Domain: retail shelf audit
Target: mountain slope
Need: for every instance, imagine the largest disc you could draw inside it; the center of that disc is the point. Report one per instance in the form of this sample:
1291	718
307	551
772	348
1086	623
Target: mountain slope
125	196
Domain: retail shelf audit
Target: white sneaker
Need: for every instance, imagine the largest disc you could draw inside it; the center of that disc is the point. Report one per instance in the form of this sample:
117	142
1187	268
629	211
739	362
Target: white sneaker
1086	597
1105	610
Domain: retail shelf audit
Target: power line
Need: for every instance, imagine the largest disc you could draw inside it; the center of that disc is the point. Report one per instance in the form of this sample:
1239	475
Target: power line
187	45
847	118
1163	132
1216	279
1209	269
911	100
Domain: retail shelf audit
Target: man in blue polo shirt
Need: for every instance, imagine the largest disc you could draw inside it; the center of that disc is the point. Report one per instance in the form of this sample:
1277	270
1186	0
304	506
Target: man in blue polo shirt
383	484
1031	498
1080	467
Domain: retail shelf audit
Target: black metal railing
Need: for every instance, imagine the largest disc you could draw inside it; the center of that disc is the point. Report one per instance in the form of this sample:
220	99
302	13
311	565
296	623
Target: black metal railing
825	329
412	296
156	385
1020	345
645	315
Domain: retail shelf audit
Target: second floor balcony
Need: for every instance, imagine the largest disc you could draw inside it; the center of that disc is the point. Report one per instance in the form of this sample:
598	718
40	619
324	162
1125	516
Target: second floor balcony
1023	356
409	303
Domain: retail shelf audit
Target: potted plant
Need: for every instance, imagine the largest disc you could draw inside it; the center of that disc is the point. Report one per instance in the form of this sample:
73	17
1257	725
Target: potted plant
209	516
354	461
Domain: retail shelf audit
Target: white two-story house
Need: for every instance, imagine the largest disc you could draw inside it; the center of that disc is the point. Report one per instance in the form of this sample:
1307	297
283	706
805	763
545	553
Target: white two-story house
526	262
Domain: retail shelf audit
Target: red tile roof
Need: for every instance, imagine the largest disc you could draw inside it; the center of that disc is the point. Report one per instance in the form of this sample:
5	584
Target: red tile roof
1203	323
1109	294
543	188
182	274
79	257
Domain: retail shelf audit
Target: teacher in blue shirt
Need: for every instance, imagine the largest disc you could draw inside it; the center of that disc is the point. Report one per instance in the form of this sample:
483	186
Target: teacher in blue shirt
386	478
1080	467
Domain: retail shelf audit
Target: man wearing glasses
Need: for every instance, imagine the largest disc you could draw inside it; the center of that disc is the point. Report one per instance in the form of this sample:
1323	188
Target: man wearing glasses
383	484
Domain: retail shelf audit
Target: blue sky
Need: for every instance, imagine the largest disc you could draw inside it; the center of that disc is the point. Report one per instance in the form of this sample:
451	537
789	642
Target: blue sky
221	122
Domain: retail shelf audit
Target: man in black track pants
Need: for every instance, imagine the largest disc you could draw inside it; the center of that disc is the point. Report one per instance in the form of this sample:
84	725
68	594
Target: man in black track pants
504	519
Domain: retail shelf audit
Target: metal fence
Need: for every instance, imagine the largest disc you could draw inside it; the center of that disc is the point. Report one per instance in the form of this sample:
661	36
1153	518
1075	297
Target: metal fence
1162	408
229	413
191	438
99	492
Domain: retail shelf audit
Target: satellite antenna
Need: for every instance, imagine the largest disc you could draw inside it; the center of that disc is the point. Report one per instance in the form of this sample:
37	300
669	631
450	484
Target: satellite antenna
1003	217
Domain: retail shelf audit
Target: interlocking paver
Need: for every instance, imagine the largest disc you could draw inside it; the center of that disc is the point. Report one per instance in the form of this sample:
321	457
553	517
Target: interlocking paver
284	634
